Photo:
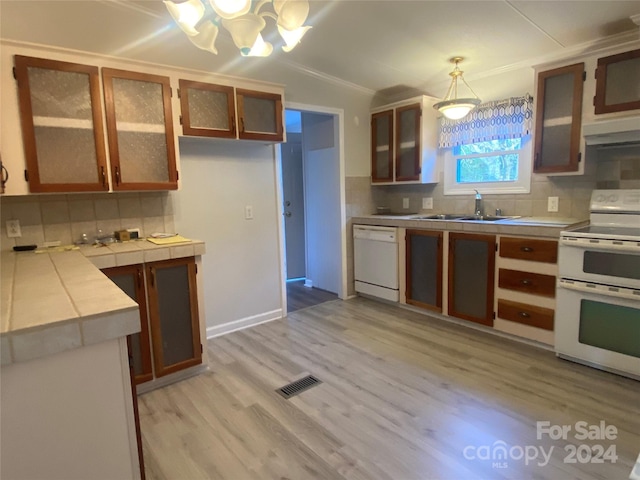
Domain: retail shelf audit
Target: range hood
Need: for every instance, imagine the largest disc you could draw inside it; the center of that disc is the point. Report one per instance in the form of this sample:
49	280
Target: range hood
612	131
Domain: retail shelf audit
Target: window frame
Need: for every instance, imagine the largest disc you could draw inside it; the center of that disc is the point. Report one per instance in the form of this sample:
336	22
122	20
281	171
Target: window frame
520	186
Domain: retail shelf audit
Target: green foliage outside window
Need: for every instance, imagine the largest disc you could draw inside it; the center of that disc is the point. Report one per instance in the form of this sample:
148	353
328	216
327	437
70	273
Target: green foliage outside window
490	161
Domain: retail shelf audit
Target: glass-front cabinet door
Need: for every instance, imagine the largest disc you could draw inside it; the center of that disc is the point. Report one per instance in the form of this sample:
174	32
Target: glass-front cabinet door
408	143
259	115
558	119
173	313
424	269
62	128
617	83
140	131
208	110
130	279
382	146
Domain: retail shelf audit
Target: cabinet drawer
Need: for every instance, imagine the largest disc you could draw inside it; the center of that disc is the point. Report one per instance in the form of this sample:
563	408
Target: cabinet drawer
534	283
526	314
528	249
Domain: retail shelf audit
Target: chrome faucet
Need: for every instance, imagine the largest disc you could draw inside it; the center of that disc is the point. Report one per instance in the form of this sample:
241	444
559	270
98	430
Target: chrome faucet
478	210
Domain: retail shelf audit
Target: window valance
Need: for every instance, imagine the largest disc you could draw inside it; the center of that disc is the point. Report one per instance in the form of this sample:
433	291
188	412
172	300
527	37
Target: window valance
495	120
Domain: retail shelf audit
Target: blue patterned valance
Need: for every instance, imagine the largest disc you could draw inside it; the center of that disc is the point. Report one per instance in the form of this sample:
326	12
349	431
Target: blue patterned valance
500	119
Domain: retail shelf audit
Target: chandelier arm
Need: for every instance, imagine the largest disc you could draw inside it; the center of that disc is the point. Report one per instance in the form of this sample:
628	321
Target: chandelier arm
465	82
259	5
450	90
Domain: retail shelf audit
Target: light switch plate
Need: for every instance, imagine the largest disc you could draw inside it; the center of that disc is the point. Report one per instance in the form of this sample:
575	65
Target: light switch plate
405	203
427	203
13	229
552	204
248	212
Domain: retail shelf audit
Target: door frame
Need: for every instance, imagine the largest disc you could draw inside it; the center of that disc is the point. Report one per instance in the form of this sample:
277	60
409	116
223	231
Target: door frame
338	115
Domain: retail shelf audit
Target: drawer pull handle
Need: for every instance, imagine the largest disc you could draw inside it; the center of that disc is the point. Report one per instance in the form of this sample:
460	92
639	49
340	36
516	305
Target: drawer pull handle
527	282
526	249
524	314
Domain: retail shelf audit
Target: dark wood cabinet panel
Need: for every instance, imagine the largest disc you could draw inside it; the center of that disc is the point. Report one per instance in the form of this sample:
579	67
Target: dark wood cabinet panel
62	129
471	277
558	119
130	279
382	148
617	80
527	282
259	115
207	110
140	130
526	314
529	249
173	314
424	269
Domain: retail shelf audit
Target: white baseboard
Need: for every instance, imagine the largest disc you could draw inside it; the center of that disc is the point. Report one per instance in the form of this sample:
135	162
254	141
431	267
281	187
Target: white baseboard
308	283
243	323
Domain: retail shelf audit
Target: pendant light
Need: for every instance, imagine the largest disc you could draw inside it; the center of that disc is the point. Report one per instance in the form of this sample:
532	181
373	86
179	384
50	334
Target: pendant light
451	106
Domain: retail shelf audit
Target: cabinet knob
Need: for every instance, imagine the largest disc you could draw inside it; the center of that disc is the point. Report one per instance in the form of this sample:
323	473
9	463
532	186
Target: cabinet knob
527	282
526	249
524	314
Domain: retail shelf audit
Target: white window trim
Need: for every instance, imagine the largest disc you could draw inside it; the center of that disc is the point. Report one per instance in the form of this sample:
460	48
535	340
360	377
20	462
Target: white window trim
522	185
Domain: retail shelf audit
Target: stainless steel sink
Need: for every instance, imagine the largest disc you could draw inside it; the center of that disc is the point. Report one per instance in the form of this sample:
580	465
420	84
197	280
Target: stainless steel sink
441	216
485	218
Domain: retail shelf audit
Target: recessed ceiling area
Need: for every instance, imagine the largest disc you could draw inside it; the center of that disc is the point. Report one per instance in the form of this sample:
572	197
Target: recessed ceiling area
379	46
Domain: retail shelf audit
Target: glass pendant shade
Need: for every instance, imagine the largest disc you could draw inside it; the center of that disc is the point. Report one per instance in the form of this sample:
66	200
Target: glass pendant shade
229	9
458	108
206	39
260	48
244	30
291	13
292	38
186	14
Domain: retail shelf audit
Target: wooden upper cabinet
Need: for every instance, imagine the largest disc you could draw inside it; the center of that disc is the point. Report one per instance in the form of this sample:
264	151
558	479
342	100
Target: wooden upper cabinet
62	130
208	110
382	146
407	144
559	119
259	115
140	130
617	80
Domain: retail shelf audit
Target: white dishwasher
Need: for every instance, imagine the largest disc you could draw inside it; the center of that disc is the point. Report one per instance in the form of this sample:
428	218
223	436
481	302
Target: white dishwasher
375	253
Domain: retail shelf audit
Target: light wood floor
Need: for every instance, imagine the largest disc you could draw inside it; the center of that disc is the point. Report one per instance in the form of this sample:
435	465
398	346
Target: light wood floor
299	296
402	398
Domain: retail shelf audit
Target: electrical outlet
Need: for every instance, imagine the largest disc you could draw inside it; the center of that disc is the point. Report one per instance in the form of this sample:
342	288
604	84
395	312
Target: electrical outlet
405	203
552	204
248	212
427	203
13	229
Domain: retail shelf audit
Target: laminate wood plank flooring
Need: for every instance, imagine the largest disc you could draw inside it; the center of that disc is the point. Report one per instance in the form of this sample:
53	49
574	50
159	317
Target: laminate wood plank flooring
404	396
299	296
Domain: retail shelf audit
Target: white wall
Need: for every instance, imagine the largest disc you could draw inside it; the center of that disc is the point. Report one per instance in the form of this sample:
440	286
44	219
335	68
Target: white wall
241	277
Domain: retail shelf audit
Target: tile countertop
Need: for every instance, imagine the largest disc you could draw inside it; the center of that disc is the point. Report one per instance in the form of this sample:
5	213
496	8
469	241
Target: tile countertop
526	226
57	300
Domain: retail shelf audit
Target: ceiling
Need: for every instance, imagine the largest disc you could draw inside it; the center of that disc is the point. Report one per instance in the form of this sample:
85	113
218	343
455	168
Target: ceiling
373	45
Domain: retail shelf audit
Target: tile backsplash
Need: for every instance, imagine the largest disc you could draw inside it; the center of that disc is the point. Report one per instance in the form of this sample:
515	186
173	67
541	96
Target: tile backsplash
611	170
65	218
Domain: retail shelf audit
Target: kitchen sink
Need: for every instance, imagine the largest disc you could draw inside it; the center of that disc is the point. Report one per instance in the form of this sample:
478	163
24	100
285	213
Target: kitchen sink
441	216
485	218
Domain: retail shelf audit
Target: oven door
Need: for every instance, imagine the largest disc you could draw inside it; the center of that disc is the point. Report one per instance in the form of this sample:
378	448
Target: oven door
599	263
599	325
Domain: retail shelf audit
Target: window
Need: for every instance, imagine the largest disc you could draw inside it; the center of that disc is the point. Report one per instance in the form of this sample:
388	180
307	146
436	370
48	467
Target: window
492	166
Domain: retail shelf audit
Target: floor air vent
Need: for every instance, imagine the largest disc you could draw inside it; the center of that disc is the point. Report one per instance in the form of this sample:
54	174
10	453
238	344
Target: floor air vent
298	386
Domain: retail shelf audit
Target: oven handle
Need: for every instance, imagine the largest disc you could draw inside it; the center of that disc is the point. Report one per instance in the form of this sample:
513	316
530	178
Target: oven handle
597	289
610	245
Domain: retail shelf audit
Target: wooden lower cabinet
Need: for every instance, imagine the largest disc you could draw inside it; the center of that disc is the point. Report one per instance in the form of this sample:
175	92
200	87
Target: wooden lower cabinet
424	269
166	292
471	277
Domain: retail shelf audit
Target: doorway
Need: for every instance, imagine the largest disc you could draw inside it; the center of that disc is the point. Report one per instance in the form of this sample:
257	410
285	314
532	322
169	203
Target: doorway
312	194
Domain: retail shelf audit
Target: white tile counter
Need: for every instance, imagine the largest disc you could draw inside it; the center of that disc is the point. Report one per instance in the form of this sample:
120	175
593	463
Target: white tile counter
55	301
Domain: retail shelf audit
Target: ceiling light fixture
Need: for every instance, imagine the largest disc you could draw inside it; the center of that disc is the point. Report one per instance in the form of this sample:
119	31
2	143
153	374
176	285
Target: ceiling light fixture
243	19
456	108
